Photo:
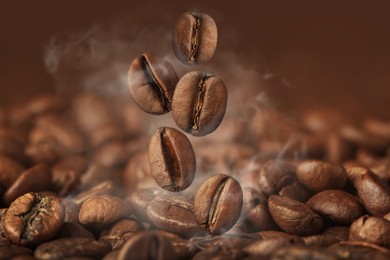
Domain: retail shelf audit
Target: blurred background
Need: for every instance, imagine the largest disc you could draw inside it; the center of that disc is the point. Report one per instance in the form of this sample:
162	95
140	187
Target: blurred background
304	53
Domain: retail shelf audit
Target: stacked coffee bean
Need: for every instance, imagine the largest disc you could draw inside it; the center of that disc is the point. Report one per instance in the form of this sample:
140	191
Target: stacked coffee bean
76	182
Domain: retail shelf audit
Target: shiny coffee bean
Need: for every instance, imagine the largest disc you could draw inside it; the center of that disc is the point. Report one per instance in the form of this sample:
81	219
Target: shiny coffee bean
199	103
33	218
65	248
218	203
172	159
139	201
151	81
337	206
371	229
293	216
174	214
318	176
103	188
121	231
195	38
147	246
9	171
296	191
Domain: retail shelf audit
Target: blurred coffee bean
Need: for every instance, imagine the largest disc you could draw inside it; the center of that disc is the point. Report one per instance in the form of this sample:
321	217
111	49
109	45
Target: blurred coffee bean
109	132
102	210
65	248
296	191
121	231
265	248
323	120
151	81
148	246
318	176
387	216
303	252
377	128
337	206
174	214
219	252
271	234
356	250
74	230
134	120
12	148
3	116
19	116
9	171
139	201
96	174
33	218
113	255
184	249
293	216
172	159
218	203
34	179
103	188
199	103
329	237
44	104
337	149
10	251
71	209
371	229
111	155
373	194
136	171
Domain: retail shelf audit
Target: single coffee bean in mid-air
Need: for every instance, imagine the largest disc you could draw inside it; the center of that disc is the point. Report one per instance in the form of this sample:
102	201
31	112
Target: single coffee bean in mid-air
218	203
199	103
151	81
195	38
172	159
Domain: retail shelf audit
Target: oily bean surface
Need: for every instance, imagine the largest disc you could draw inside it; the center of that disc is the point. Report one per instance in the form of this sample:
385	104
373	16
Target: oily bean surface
371	229
199	103
172	159
195	38
293	216
151	81
218	203
33	218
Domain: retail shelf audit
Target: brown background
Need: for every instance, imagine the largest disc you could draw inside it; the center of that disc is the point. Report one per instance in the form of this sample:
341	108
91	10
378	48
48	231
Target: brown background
333	53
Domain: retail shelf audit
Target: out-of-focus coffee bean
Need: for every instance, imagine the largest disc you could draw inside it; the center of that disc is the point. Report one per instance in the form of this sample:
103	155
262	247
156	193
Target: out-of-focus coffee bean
9	171
199	103
323	120
44	104
10	251
371	229
34	179
121	231
219	252
373	194
265	248
96	174
337	149
11	148
271	234
293	216
65	248
218	203
3	116
33	218
103	188
377	128
136	171
337	206
134	120
184	249
296	191
111	155
303	252
147	245
139	201
71	209
102	210
387	216
318	176
172	159
195	38
113	255
151	81
73	230
329	237
109	132
356	250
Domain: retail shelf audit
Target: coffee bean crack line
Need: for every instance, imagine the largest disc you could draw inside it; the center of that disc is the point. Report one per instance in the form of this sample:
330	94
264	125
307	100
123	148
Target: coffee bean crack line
155	84
194	37
215	200
171	161
199	102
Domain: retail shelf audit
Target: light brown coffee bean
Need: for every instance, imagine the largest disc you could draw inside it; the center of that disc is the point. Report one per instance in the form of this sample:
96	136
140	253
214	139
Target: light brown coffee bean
371	229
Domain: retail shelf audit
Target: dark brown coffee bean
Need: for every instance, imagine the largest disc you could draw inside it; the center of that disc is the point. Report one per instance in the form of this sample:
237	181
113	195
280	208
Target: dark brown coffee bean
136	172
296	191
218	203
111	155
34	179
11	148
103	188
174	214
265	248
172	159
329	237
293	216
71	209
72	247
113	255
33	218
10	251
271	234
303	252
121	231
148	246
151	81
199	103
318	176
184	249
102	210
73	230
337	206
44	104
374	195
195	38
371	229
9	171
139	201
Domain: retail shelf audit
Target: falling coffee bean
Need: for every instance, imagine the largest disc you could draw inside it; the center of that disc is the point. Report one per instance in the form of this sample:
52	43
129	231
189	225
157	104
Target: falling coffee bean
199	103
172	159
195	38
218	203
151	81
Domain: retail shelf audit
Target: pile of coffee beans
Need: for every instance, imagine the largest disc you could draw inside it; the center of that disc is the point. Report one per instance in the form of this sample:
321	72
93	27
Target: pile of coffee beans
83	179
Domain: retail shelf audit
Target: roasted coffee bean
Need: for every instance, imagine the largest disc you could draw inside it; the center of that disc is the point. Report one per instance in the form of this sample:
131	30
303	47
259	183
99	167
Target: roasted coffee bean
151	81
274	175
218	203
296	191
108	132
9	171
72	247
71	209
103	188
139	201
318	176
195	38
329	237
338	150
371	229
387	216
148	246
44	104
97	174
374	195
33	218
265	248
113	255
219	252
199	103
12	148
337	206
271	234
36	178
303	252
121	231
174	214
172	159
357	250
73	230
111	155
102	210
10	251
293	216
136	172
184	249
